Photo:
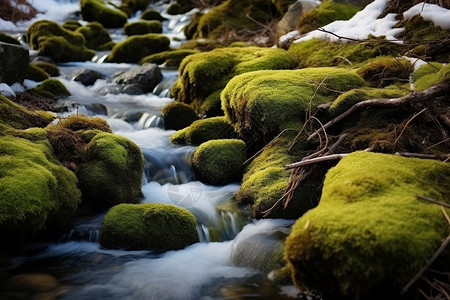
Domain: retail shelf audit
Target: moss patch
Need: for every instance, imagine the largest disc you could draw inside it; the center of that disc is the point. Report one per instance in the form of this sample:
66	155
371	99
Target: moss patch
370	235
148	226
49	68
97	10
36	74
142	27
51	88
427	76
216	68
385	70
219	161
96	36
178	115
204	130
16	116
171	58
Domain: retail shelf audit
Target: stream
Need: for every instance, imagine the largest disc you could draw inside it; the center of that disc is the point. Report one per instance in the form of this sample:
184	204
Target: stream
204	270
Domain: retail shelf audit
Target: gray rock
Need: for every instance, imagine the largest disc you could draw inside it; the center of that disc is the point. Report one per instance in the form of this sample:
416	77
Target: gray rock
290	18
14	61
146	77
86	77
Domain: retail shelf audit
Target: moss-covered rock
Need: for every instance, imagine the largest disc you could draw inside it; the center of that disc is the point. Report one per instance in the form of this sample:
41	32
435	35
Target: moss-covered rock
134	48
319	53
71	25
13	63
174	9
205	74
51	88
178	115
148	226
36	74
429	75
16	116
132	6
36	192
370	235
266	102
385	70
97	10
170	58
328	11
204	130
54	41
151	14
111	171
96	36
142	27
219	161
49	68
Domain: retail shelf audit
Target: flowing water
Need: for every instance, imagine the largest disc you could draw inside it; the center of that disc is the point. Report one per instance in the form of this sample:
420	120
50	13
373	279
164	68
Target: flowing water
200	271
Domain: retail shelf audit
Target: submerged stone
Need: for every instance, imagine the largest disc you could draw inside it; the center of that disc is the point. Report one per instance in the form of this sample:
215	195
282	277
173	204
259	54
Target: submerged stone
370	234
146	77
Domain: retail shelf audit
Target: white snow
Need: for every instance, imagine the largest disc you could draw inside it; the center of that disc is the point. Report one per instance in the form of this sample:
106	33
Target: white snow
430	12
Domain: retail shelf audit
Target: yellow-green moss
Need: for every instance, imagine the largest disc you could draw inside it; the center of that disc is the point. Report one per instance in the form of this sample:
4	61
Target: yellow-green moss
386	70
36	192
134	48
178	115
97	37
370	235
16	116
422	81
50	68
111	171
219	161
71	25
174	9
81	122
204	130
51	88
142	27
151	14
206	73
132	6
327	12
319	53
36	74
265	101
348	99
148	226
97	10
171	58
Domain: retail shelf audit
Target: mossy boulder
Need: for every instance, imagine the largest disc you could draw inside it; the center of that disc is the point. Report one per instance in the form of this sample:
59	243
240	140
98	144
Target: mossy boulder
54	41
142	27
13	63
16	116
266	102
204	130
328	11
385	70
134	48
429	75
96	36
71	25
370	234
202	76
98	10
37	193
151	14
132	6
170	58
36	74
148	226
178	115
219	162
111	171
51	88
50	68
174	9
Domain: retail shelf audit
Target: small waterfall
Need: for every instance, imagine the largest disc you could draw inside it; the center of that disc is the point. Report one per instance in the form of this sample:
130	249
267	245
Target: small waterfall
86	230
148	120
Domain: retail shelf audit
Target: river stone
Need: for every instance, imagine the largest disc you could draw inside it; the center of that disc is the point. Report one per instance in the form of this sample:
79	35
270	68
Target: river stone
86	76
294	12
146	77
13	63
31	283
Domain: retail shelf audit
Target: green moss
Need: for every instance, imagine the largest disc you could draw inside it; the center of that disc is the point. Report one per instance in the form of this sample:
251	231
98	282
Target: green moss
36	192
71	25
81	122
191	28
319	53
132	6
111	171
217	67
97	10
51	88
327	12
97	37
171	58
178	115
385	70
148	226
219	161
204	130
174	9
49	68
422	81
134	48
151	14
264	102
426	69
36	74
8	39
142	27
16	116
348	99
370	234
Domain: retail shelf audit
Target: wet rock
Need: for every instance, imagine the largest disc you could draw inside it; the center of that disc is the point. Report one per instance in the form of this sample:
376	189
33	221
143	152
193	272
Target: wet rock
86	76
31	283
178	115
146	77
133	89
294	12
13	63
